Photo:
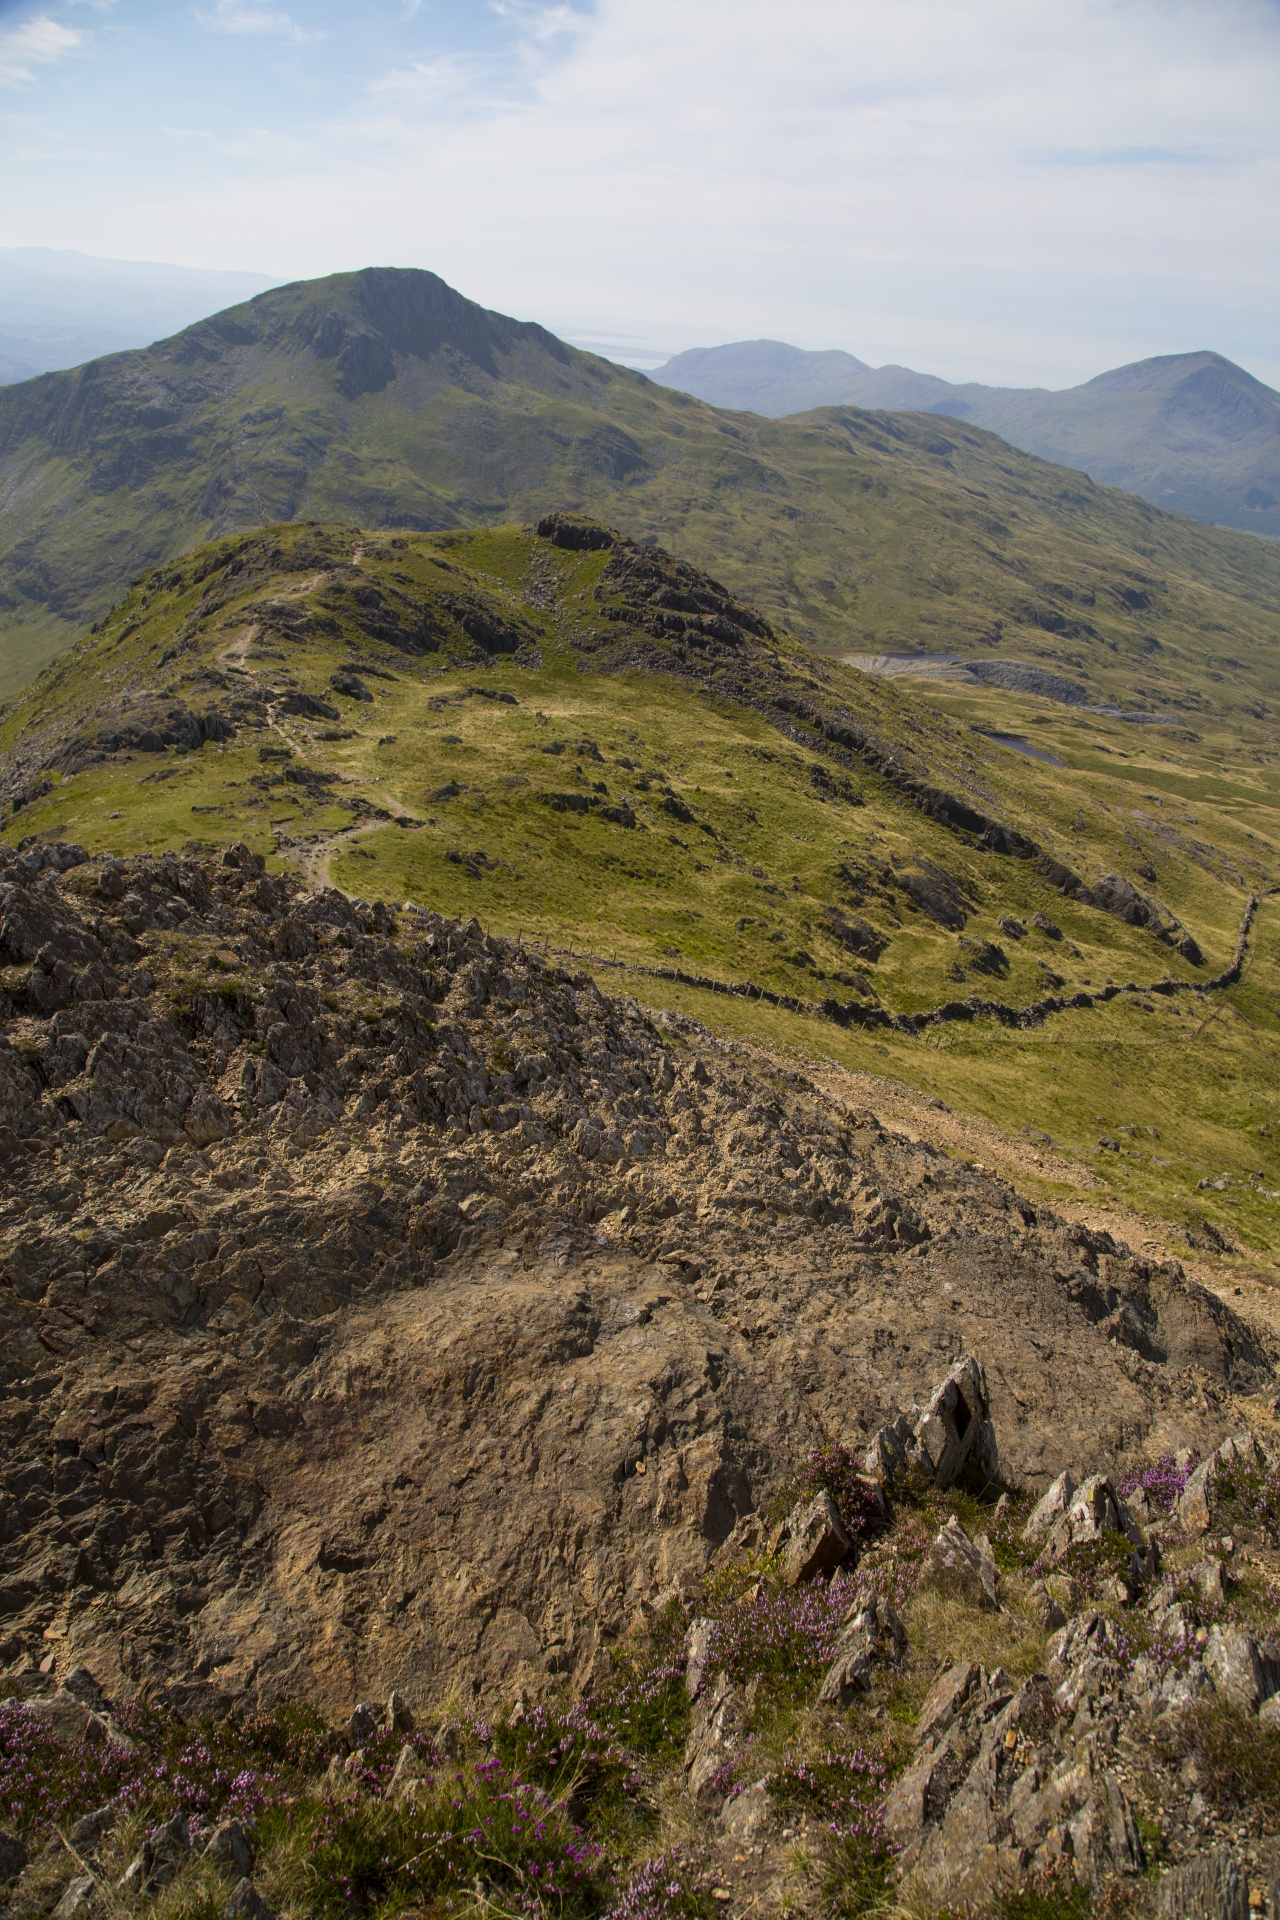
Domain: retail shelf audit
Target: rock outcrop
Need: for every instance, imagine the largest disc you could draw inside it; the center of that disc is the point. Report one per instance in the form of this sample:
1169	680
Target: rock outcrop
382	1307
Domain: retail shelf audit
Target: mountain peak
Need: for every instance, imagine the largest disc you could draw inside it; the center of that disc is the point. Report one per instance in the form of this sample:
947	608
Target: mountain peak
362	321
1164	371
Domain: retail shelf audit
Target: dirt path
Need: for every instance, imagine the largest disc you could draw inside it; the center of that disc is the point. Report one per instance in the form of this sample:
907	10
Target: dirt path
312	862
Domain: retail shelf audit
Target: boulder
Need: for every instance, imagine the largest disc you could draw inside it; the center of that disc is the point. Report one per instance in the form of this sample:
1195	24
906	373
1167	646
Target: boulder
944	1700
955	1431
398	1717
1049	1610
1095	1511
77	1898
229	1850
891	1450
816	1541
918	1796
747	1813
67	1720
1196	1505
875	1632
1212	1887
950	1435
362	1727
1209	1581
246	1903
1049	1508
714	1738
13	1856
342	680
961	1567
164	1852
81	1685
1244	1671
1088	1633
90	1827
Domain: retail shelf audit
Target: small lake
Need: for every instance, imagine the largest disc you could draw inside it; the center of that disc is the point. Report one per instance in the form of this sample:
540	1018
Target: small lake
1016	744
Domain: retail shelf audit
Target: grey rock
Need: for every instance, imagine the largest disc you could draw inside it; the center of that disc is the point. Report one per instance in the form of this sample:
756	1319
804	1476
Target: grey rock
748	1813
77	1899
874	1632
1094	1511
892	1448
171	1840
81	1685
229	1850
67	1720
697	1647
714	1738
1213	1887
164	1851
398	1717
1050	1507
1048	1608
816	1540
1269	1714
13	1856
955	1431
919	1796
1105	1836
89	1829
1197	1504
959	1566
1169	1690
362	1727
944	1700
1089	1633
1171	1621
1210	1581
133	1880
246	1903
406	1769
1244	1671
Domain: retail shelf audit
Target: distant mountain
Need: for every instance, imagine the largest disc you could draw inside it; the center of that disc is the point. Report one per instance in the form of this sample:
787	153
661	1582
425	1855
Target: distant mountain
1192	432
385	399
766	376
59	309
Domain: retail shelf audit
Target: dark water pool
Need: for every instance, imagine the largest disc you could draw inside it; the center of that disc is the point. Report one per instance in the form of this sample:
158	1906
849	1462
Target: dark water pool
1016	742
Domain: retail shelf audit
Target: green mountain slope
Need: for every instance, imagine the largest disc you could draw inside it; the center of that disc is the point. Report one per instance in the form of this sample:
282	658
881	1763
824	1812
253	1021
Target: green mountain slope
1191	432
590	744
383	398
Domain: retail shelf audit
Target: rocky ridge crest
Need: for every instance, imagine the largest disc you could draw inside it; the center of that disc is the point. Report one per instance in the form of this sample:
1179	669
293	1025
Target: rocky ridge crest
384	1307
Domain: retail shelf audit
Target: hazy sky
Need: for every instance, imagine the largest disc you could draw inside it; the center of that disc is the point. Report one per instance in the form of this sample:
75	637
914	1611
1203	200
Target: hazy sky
1016	190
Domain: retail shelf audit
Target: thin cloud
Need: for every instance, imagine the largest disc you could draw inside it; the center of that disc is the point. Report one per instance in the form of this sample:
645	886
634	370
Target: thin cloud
243	16
1020	190
37	42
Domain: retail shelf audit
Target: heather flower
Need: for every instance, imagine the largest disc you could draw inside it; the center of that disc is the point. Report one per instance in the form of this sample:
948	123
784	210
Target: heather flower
663	1888
833	1469
1162	1483
843	1786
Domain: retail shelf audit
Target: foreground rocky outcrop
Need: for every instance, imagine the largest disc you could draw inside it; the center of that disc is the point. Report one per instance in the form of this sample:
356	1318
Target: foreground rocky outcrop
383	1308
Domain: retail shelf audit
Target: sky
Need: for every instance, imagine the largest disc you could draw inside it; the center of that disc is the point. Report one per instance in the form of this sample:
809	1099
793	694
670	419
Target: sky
1020	191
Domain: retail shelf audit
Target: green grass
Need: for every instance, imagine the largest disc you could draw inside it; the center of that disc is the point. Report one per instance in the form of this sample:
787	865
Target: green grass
737	883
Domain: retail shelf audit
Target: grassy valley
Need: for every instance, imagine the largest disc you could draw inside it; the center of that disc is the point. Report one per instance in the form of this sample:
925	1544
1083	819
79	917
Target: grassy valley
529	729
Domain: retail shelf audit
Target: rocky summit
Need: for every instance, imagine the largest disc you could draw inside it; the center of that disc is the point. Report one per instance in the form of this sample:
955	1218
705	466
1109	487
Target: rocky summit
450	1411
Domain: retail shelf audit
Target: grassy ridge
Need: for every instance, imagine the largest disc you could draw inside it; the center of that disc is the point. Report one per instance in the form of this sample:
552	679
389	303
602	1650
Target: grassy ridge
656	822
859	531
